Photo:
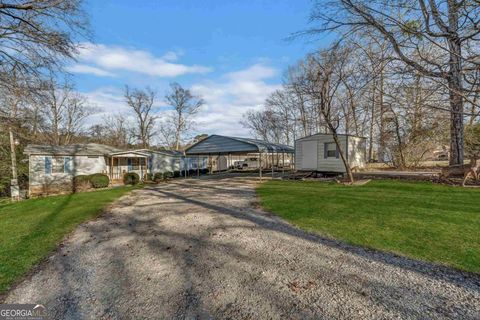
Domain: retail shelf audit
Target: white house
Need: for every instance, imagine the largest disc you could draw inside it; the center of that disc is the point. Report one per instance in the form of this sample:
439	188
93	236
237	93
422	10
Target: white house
319	152
52	168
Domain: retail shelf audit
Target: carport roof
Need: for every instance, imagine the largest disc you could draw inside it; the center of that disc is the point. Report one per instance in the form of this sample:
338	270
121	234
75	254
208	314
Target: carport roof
216	144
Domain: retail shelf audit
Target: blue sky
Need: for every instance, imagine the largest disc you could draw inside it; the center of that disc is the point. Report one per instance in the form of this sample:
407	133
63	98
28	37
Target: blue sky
232	53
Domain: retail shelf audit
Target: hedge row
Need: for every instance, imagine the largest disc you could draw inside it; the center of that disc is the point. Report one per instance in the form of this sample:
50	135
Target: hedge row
96	180
159	176
131	178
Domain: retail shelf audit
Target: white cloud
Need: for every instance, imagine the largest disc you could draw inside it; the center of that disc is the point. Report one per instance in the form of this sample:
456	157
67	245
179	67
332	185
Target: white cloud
256	72
111	58
83	68
171	56
227	101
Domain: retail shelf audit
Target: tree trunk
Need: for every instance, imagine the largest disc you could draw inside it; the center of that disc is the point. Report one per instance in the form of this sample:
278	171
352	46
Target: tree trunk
382	134
372	123
342	155
456	89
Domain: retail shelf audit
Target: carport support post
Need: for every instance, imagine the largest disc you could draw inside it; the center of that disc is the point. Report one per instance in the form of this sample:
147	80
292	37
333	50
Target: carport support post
198	166
185	167
283	163
210	165
272	165
260	165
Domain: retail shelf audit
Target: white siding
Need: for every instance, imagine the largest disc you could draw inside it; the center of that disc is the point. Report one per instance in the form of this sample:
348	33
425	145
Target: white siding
163	163
357	152
309	153
195	162
82	165
330	164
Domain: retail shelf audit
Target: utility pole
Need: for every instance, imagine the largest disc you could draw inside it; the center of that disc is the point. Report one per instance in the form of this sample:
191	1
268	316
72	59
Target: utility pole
14	189
17	92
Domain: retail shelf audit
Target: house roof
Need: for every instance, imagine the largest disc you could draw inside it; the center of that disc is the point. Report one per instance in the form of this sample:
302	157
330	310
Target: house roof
329	134
175	153
217	144
143	153
90	149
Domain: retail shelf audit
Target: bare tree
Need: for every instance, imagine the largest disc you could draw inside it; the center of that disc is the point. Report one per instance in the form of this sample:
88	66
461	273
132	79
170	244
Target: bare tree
117	130
64	112
324	81
167	131
77	109
410	26
185	107
258	122
38	35
141	102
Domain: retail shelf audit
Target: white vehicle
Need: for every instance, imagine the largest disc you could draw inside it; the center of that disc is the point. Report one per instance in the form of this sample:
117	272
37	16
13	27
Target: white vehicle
239	164
251	163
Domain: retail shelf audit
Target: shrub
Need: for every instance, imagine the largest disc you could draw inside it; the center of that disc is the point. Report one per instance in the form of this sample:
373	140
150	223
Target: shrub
81	183
204	171
149	176
158	176
176	174
131	178
192	172
168	175
99	180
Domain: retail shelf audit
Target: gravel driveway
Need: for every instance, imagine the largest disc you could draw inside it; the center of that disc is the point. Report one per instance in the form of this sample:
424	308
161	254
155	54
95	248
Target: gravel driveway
203	249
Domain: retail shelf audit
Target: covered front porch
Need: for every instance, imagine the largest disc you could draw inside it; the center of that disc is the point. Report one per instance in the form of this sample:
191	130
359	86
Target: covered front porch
128	161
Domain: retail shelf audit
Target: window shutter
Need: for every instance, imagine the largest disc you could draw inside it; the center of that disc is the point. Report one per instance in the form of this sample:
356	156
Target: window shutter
337	153
48	165
325	150
67	161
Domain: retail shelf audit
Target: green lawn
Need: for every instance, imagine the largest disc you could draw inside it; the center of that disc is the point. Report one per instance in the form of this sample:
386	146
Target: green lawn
420	220
31	229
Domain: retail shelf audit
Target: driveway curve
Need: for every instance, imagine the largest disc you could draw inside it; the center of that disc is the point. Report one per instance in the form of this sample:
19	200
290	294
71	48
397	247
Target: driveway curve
201	248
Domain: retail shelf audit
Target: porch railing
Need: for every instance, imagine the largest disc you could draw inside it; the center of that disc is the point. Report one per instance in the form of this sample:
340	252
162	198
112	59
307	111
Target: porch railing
117	173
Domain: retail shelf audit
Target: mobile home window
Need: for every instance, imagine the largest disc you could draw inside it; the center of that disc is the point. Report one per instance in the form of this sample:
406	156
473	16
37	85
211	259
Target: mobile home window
331	150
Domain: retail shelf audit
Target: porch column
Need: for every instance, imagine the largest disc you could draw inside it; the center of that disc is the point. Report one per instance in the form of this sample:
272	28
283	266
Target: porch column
111	169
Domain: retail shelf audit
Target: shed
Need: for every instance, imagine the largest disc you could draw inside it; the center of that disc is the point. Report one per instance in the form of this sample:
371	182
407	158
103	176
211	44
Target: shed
319	152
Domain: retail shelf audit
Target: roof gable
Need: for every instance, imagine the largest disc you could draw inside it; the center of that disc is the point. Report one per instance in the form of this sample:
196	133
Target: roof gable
216	144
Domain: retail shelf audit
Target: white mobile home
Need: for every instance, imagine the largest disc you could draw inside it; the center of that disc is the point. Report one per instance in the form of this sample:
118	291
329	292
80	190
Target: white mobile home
52	168
319	152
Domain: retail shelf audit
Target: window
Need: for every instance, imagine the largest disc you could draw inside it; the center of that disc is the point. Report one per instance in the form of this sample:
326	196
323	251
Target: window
48	165
58	165
68	161
331	150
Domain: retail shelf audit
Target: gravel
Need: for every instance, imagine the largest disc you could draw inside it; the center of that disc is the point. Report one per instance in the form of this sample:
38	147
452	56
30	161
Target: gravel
201	248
